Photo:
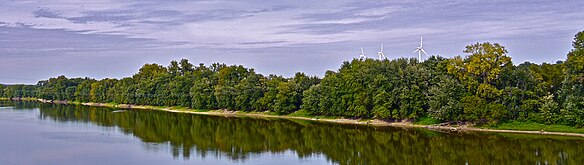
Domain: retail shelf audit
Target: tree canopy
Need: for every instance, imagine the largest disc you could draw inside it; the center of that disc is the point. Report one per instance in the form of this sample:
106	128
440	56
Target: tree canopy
482	86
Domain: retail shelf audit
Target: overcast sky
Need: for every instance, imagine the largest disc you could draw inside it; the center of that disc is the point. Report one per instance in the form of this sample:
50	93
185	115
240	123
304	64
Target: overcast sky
114	38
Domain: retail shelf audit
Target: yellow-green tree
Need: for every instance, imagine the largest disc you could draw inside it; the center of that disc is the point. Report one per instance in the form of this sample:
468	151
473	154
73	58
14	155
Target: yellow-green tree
479	70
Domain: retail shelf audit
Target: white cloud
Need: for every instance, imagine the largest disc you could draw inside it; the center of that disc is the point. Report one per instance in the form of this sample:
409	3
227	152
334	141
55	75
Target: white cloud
260	27
273	28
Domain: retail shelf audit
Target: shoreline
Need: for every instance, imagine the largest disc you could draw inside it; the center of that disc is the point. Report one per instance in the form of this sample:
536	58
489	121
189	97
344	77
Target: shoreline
368	122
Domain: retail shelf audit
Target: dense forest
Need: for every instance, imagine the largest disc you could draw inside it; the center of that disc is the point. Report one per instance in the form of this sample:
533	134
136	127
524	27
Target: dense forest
482	87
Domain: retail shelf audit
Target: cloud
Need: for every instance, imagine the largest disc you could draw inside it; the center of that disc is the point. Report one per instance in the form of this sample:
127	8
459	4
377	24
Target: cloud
47	13
216	26
326	32
382	11
231	24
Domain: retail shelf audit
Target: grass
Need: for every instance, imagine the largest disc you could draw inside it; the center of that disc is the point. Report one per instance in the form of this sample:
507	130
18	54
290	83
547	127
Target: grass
179	108
426	121
304	113
251	112
199	110
532	126
300	113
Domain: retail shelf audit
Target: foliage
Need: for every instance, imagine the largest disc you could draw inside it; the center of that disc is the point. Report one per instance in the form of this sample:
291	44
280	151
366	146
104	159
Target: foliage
482	87
444	99
572	92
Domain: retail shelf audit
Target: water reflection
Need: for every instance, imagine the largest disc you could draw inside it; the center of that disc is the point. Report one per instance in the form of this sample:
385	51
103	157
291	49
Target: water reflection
241	138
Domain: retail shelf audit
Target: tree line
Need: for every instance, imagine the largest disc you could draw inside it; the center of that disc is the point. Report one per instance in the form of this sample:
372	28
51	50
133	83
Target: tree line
483	86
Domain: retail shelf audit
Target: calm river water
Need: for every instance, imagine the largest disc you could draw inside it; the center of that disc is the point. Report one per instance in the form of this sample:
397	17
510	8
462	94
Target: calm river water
46	134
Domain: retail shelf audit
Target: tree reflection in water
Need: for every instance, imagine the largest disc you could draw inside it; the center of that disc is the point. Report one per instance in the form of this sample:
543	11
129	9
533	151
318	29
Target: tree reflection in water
238	138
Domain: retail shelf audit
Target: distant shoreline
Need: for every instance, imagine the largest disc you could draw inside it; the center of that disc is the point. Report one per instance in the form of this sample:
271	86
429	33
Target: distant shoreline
370	122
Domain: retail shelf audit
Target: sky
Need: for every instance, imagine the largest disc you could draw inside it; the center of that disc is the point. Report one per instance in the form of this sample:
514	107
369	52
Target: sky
114	38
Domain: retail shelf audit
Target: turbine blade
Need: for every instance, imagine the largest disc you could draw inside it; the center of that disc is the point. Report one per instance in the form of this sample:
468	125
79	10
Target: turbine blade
421	42
362	51
416	50
425	52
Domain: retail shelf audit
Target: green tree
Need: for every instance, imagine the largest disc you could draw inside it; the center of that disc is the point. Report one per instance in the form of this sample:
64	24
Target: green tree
2	91
125	91
102	91
270	90
249	92
202	94
572	94
549	111
82	93
444	99
290	93
145	91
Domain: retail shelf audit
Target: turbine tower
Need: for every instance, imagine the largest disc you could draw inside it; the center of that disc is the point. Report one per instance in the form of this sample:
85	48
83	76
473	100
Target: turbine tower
362	56
380	53
420	50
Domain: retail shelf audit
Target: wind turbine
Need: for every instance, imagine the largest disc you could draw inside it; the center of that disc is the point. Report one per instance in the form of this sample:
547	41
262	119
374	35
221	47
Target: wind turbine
420	50
362	56
380	53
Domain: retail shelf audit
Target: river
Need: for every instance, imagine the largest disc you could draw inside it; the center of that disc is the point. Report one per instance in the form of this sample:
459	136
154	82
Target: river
44	134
